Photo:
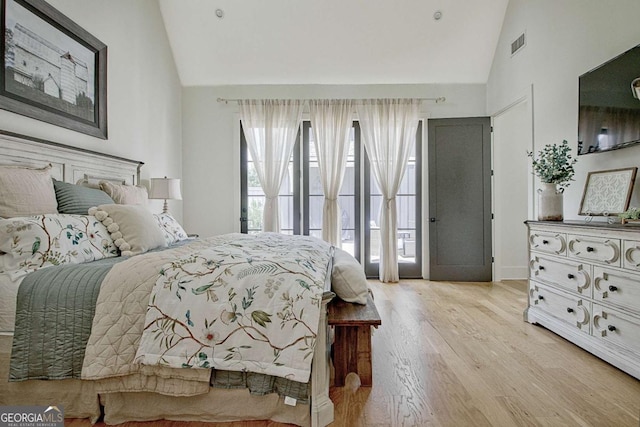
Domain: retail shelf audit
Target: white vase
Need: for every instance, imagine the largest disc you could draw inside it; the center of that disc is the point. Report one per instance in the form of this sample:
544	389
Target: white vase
550	202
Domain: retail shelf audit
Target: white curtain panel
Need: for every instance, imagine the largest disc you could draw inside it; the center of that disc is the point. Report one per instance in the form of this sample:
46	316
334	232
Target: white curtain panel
389	132
270	127
331	122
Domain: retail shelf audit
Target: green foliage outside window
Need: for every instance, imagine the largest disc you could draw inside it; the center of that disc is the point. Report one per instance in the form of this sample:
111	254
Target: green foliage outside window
256	206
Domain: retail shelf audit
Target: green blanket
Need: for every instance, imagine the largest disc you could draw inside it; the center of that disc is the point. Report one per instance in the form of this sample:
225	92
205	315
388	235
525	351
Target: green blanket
54	314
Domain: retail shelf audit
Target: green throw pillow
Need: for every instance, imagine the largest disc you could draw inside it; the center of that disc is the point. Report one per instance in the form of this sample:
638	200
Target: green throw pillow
77	199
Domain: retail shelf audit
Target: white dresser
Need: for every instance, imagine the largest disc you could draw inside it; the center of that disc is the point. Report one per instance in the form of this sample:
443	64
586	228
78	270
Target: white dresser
584	284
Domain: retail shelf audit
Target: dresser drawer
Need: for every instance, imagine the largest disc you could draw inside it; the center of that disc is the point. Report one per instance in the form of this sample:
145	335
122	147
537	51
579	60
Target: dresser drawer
616	327
571	275
595	249
568	308
631	255
552	243
617	287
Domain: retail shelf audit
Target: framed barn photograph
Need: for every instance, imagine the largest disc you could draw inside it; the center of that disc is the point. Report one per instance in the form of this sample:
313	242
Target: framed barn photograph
54	70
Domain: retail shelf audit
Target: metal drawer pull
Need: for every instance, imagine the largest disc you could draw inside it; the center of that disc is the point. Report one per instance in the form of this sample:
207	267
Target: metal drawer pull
541	268
613	288
571	276
590	249
611	328
569	310
545	242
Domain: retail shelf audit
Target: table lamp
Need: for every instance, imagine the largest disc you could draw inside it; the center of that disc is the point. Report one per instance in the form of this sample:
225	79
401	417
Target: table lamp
165	188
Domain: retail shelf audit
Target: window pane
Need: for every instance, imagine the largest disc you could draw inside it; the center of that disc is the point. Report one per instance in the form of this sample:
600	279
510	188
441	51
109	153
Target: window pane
408	183
374	214
285	207
315	184
349	181
315	212
286	187
406	228
255	208
406	211
315	233
407	246
406	207
374	185
348	208
346	195
256	199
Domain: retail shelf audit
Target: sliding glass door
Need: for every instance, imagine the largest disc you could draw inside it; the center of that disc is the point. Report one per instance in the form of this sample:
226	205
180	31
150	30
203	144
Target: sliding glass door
253	198
408	202
349	196
301	202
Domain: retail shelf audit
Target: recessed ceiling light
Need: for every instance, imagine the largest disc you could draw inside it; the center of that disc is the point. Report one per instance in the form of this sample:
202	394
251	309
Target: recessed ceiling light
437	15
220	13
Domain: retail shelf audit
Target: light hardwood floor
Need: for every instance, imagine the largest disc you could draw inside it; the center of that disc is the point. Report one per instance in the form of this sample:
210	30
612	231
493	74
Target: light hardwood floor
459	354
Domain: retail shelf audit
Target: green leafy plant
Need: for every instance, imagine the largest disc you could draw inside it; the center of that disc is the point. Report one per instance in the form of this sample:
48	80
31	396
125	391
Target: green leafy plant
631	213
554	164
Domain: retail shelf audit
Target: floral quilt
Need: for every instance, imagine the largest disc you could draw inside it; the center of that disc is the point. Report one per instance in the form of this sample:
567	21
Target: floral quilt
246	303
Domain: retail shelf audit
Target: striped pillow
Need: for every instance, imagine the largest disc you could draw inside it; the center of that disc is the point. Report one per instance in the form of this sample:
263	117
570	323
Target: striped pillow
77	199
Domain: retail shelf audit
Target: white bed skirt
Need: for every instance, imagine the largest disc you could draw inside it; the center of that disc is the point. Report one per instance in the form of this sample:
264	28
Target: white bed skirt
230	405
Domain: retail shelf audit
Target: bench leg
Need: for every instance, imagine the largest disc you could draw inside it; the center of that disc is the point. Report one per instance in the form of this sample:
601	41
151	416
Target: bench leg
352	353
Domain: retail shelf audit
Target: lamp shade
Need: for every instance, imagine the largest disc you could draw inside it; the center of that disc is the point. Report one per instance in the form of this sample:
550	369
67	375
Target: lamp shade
165	188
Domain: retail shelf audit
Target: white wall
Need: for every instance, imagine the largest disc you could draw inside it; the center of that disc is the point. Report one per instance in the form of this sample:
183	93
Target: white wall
211	151
144	91
564	40
512	137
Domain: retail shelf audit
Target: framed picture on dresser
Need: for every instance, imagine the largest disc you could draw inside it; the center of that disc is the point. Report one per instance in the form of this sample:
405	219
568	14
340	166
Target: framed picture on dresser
54	70
607	192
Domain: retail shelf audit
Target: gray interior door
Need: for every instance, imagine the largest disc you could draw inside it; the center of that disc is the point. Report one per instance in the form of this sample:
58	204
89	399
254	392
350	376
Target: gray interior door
460	199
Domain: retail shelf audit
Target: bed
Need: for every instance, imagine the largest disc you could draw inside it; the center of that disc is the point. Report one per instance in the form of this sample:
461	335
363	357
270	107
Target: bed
170	378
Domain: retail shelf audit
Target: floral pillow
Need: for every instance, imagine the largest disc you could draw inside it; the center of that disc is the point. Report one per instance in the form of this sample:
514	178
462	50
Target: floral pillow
172	230
35	242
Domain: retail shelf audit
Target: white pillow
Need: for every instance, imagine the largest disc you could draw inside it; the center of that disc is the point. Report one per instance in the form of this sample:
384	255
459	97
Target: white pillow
172	230
347	278
35	242
133	228
125	194
26	191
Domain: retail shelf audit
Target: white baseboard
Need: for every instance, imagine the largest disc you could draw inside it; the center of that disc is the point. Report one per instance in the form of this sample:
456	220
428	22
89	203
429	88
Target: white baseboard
513	273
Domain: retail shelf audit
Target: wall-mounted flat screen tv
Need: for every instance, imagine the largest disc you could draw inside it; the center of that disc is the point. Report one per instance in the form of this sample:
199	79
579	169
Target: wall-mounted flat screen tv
609	105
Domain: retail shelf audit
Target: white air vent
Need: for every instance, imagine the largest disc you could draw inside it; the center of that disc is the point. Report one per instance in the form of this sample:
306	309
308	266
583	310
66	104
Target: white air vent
518	44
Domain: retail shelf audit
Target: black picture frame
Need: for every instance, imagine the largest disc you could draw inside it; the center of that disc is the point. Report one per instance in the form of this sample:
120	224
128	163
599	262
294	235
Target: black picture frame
54	70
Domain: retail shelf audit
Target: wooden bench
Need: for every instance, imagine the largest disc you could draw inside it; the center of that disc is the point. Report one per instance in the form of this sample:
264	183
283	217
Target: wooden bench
352	342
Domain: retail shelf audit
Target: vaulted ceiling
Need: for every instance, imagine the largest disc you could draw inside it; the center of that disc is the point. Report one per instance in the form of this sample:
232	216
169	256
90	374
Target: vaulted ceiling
332	41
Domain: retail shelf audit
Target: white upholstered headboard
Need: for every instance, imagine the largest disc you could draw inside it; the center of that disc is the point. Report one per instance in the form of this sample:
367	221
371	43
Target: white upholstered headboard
69	164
